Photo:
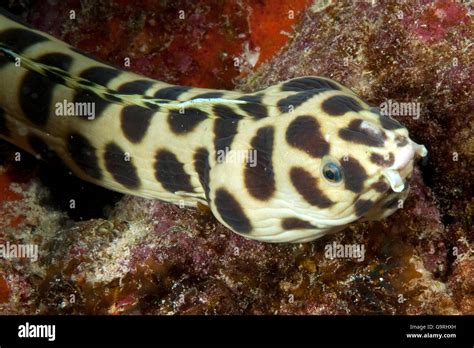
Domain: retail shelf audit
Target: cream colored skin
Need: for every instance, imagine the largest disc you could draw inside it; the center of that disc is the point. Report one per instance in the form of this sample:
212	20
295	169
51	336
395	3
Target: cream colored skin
265	216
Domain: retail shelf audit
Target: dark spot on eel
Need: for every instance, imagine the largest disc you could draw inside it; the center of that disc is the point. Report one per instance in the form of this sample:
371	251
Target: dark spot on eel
290	103
135	122
120	166
231	212
355	133
254	107
259	176
295	224
362	206
171	93
170	172
303	133
202	167
184	121
36	91
135	87
338	105
382	160
305	83
84	155
307	186
354	174
225	128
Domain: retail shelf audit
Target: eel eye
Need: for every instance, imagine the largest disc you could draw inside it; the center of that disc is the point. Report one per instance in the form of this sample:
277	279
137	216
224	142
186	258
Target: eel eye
332	172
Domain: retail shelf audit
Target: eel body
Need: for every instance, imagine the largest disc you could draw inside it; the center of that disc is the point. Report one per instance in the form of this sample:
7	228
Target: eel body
289	163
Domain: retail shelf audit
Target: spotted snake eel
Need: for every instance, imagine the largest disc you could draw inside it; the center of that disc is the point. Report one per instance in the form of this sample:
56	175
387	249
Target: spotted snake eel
323	158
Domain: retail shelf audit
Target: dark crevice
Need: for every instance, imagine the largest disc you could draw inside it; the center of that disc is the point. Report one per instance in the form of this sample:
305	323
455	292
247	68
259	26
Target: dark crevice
91	201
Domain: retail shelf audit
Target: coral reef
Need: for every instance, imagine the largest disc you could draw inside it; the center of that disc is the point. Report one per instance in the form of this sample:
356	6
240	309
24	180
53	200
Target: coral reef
146	257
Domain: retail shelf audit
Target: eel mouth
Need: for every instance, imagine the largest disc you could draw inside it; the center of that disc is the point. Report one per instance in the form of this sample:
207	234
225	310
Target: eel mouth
403	165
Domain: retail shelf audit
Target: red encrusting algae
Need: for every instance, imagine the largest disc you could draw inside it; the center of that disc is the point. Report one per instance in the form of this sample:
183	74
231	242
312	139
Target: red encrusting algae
200	44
